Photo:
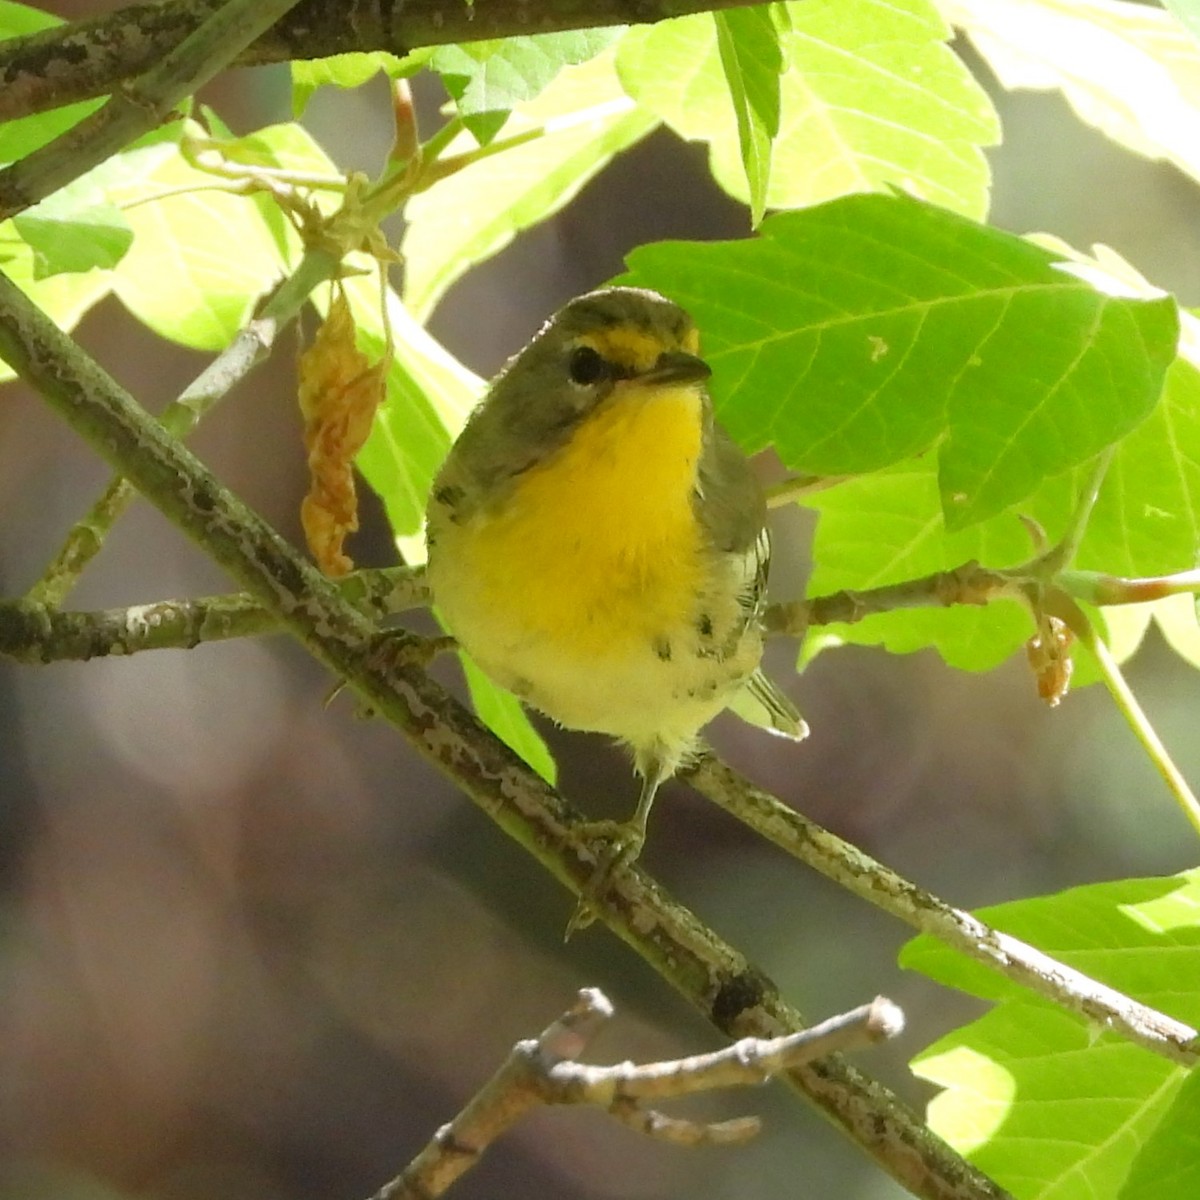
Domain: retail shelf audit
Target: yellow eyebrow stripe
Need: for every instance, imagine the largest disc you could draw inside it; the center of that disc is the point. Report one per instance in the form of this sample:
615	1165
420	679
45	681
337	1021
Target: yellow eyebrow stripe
634	348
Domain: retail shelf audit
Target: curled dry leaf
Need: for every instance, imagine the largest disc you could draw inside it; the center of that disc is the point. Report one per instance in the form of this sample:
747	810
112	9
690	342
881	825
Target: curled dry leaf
339	393
1049	654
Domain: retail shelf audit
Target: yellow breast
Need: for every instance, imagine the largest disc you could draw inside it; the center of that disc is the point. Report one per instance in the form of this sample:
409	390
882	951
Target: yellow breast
597	547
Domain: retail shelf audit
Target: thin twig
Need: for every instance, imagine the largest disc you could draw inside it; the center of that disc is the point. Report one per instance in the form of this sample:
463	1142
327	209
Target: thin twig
41	633
138	105
966	584
862	875
1062	555
249	348
543	1071
735	996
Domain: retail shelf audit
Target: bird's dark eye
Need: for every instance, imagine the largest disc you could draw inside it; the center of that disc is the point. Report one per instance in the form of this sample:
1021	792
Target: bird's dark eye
585	366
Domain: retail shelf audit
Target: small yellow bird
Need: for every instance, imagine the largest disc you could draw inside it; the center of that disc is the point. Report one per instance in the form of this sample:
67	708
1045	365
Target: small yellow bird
597	543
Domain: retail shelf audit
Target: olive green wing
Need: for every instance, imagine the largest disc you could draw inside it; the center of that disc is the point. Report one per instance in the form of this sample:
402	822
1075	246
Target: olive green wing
733	510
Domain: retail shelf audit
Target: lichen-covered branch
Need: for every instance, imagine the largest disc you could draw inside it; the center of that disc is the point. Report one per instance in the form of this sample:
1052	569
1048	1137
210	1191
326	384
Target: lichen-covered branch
738	998
91	58
86	537
140	103
879	885
32	632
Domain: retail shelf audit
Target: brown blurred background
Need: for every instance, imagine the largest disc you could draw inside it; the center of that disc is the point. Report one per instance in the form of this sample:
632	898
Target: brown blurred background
253	947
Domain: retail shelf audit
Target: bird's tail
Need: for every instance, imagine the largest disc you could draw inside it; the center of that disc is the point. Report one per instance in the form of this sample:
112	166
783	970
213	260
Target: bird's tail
761	703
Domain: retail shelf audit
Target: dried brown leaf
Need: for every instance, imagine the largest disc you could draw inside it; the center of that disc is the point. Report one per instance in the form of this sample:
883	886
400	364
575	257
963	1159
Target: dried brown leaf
1049	654
340	391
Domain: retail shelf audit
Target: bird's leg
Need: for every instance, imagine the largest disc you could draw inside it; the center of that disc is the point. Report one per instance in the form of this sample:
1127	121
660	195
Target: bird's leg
623	842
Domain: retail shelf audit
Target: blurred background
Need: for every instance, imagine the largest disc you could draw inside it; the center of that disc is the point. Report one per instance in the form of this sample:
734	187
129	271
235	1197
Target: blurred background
253	947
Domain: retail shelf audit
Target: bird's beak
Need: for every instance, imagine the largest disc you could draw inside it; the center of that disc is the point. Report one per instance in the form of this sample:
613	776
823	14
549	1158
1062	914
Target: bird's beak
676	366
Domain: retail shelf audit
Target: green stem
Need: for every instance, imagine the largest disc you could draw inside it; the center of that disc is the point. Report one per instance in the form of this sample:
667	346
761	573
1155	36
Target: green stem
436	168
1127	704
1058	557
1094	587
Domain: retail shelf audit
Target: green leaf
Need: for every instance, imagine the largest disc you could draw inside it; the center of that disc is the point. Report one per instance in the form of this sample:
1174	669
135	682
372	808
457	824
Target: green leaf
66	297
73	230
348	71
467	217
429	394
1180	624
1147	516
1187	12
872	97
1045	1104
287	146
788	370
200	258
748	42
1169	1163
502	713
887	528
856	334
16	20
1128	69
487	80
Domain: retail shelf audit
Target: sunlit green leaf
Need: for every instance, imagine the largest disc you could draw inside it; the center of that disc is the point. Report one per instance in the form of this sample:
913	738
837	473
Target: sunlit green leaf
63	298
748	42
872	97
858	333
488	79
200	256
1131	70
75	229
502	713
348	71
469	216
1168	1167
429	394
885	528
1187	12
1045	1104
18	138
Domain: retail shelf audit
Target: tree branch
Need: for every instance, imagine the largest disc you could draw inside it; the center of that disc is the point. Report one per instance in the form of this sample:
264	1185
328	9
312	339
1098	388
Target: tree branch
735	996
137	105
544	1071
879	885
90	58
85	538
32	632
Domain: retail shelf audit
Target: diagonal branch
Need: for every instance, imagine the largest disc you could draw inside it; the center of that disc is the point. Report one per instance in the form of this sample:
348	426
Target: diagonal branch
90	58
734	995
138	104
86	537
872	881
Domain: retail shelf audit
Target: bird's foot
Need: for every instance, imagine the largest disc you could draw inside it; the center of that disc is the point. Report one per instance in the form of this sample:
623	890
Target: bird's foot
618	845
